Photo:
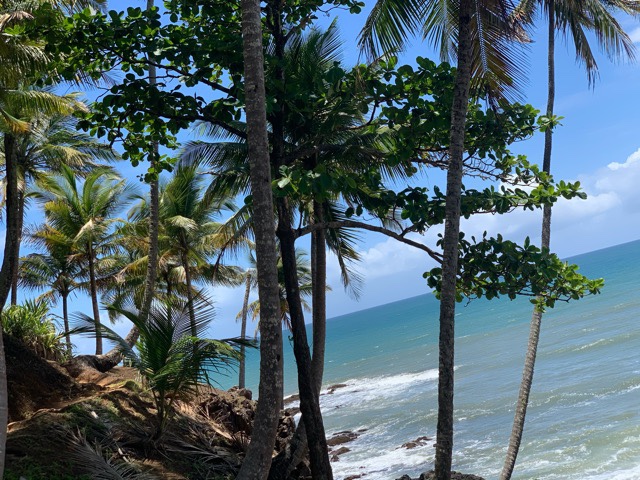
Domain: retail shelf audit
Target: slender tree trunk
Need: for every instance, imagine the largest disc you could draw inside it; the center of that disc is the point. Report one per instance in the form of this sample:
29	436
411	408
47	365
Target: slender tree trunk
309	393
12	218
290	457
243	329
93	286
152	266
258	458
4	403
536	318
319	296
444	442
65	318
6	274
187	276
16	265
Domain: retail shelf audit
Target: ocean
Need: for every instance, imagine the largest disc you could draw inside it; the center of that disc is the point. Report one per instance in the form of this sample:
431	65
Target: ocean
584	415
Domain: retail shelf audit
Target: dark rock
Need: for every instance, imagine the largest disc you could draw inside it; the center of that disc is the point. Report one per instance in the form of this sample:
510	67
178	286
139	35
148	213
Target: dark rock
341	437
341	451
335	387
418	442
354	477
454	476
291	399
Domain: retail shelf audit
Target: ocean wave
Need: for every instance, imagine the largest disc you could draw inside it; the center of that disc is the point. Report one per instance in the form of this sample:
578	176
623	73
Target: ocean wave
626	474
367	389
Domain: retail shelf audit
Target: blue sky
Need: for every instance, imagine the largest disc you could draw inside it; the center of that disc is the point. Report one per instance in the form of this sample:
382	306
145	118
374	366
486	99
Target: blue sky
597	144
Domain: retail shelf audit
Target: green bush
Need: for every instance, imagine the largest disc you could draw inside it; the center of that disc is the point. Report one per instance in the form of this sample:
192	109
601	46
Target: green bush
32	324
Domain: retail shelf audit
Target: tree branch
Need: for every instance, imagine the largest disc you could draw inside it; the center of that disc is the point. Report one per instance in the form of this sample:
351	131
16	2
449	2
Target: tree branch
372	228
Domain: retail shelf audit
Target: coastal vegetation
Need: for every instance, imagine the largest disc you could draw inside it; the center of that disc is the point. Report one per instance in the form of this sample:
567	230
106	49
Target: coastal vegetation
294	146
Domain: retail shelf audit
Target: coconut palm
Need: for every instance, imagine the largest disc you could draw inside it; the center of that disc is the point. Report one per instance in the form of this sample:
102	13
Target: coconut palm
171	360
260	450
82	215
129	284
55	272
303	267
574	20
481	38
250	284
189	231
52	141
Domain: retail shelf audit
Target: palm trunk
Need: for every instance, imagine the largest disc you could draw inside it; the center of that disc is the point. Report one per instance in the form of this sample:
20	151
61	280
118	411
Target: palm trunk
536	318
93	286
187	276
319	296
258	458
444	443
243	330
8	263
309	393
12	218
16	260
65	318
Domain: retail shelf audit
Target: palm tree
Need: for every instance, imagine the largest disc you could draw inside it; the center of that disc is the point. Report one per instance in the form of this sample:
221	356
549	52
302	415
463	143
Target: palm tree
53	272
82	216
52	141
171	360
479	35
204	262
250	283
189	230
258	458
303	268
573	19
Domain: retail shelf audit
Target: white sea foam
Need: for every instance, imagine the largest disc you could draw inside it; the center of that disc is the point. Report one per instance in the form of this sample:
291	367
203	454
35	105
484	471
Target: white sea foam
628	474
366	391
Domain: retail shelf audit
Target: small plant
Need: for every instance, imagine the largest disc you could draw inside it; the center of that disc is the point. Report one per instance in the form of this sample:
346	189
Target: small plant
171	361
32	324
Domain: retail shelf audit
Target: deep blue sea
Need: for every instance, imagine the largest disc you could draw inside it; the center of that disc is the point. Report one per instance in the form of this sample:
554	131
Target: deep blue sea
584	416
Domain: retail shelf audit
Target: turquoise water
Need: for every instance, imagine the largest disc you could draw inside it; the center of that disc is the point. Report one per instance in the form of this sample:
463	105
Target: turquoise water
584	416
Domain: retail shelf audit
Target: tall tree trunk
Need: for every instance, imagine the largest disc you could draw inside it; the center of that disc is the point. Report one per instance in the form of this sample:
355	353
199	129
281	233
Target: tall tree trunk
536	317
115	355
15	275
444	442
12	224
243	329
6	274
187	276
93	287
319	296
65	319
258	458
152	264
307	387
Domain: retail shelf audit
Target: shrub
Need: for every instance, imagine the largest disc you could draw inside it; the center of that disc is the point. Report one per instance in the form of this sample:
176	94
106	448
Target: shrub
32	324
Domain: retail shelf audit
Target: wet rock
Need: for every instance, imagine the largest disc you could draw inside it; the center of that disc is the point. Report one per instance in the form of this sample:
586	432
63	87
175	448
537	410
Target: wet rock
454	476
342	437
335	387
418	442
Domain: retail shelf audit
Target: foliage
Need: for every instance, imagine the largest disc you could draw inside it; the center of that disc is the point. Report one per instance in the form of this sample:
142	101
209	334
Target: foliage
171	360
32	324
